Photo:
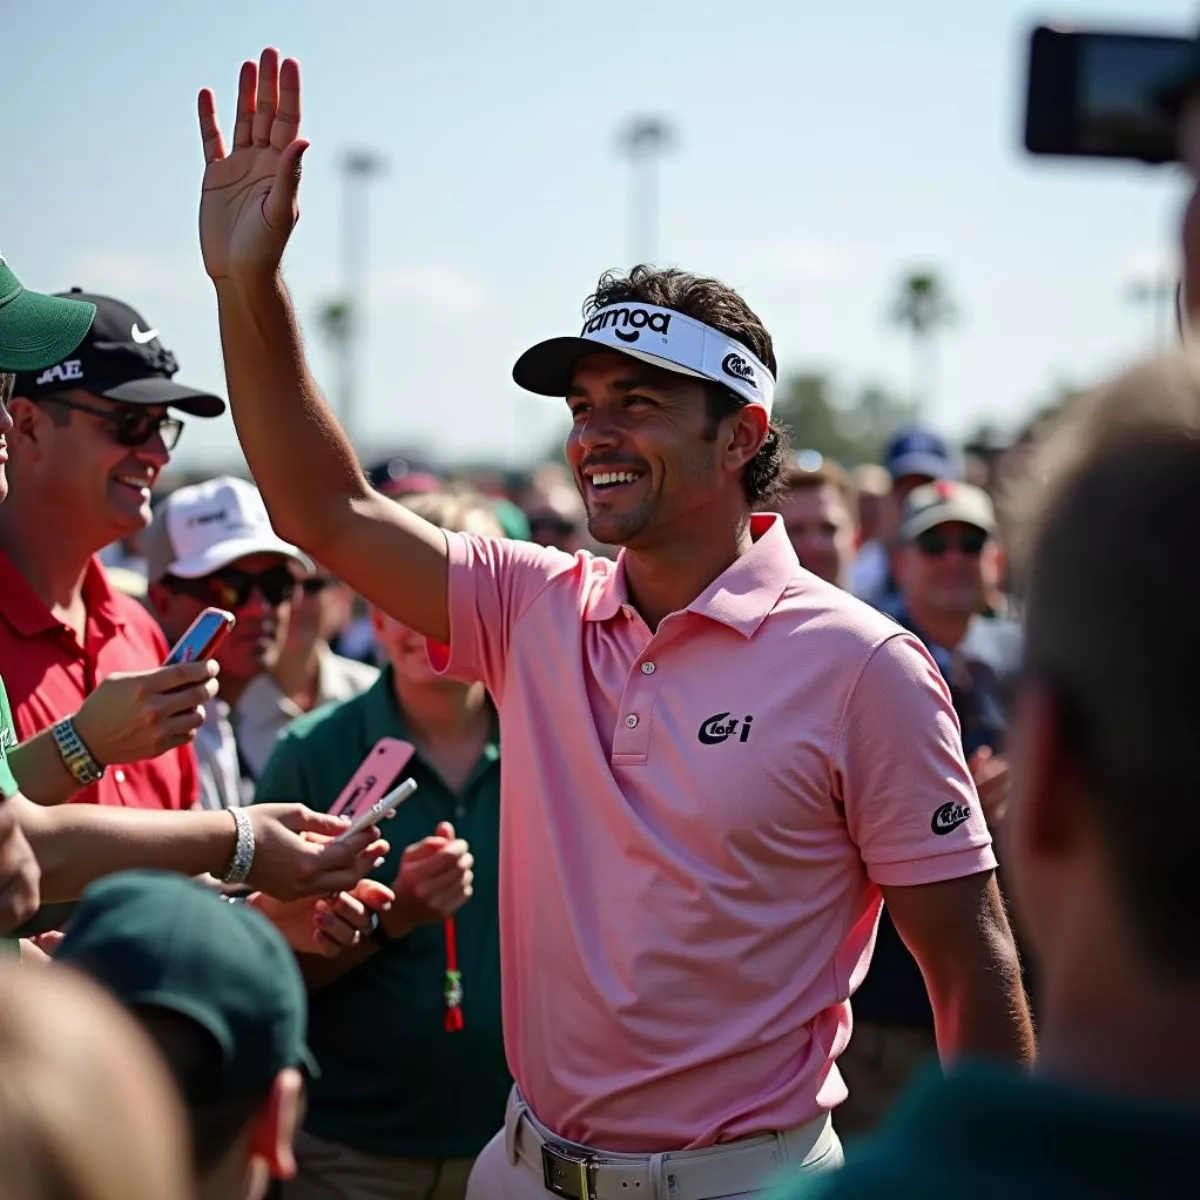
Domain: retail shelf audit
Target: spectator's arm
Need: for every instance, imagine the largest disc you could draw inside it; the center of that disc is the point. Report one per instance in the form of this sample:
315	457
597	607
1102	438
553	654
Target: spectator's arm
78	843
41	772
957	931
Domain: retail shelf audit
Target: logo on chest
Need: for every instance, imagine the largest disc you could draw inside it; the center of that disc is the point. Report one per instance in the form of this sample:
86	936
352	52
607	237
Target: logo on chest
722	727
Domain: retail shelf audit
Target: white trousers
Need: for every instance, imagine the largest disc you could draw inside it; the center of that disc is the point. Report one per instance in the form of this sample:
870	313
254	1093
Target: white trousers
511	1166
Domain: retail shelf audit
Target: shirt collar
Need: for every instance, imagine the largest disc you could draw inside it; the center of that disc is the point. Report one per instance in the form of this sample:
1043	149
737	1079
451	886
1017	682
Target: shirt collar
28	614
741	597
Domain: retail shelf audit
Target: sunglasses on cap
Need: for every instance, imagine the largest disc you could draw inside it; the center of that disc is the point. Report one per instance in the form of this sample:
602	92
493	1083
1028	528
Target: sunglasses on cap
130	425
232	588
933	543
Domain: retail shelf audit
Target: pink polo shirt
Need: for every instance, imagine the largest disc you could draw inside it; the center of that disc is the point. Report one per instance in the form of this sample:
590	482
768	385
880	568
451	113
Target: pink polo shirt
694	826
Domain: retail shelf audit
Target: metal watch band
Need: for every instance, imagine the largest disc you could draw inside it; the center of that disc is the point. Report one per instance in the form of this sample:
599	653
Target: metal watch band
243	850
77	758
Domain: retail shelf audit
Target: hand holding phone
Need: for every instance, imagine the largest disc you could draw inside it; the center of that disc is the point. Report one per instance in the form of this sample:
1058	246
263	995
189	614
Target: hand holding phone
375	775
381	809
203	637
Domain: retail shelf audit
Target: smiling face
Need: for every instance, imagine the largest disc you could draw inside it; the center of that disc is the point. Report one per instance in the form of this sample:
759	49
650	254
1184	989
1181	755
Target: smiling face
645	455
80	467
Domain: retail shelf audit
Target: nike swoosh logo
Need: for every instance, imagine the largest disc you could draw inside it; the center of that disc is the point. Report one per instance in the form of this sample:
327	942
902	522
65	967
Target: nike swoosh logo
142	337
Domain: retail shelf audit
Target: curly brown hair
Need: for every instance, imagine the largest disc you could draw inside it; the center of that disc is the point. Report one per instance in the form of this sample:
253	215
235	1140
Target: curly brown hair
718	305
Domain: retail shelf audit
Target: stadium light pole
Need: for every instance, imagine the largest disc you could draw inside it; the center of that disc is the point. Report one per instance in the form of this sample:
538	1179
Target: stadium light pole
358	168
644	140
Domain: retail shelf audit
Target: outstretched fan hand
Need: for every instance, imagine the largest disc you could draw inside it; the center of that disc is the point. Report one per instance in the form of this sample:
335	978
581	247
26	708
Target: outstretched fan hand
248	202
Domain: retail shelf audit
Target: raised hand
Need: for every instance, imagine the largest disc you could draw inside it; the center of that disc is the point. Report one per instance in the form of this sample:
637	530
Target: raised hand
248	202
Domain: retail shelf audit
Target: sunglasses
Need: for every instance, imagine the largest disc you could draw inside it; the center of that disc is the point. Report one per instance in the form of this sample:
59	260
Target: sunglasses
232	589
933	543
130	426
314	585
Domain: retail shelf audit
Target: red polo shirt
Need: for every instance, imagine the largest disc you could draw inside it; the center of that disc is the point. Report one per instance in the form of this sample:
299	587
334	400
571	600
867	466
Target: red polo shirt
49	675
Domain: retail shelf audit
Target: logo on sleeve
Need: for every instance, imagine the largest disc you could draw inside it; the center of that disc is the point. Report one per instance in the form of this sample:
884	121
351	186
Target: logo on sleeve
950	816
722	727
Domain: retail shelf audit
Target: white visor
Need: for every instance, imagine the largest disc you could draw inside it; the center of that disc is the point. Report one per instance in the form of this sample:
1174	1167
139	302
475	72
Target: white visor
660	336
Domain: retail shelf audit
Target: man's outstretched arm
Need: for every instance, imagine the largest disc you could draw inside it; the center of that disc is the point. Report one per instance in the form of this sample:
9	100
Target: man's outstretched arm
301	458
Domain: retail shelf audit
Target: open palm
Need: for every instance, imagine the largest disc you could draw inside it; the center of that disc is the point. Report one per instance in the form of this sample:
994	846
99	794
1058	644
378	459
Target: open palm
248	202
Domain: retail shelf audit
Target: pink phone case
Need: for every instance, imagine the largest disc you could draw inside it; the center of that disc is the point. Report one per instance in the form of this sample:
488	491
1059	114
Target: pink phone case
374	778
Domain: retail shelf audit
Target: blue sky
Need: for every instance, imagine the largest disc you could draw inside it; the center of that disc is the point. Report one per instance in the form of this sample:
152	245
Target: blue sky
823	148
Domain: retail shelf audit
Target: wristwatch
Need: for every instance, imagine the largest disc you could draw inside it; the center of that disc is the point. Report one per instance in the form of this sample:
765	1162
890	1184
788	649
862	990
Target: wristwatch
77	758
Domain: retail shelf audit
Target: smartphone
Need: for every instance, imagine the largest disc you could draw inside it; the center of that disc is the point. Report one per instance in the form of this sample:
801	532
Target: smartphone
203	637
1094	94
380	809
376	773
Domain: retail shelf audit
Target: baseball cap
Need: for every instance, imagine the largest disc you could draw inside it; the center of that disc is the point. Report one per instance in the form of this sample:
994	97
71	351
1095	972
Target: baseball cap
661	336
159	940
120	357
37	330
203	527
918	452
947	500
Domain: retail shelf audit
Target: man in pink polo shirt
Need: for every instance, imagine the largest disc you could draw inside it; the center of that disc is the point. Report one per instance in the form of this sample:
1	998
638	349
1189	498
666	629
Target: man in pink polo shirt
716	763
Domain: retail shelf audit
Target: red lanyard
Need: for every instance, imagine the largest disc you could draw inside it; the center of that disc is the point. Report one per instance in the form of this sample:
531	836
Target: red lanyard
453	985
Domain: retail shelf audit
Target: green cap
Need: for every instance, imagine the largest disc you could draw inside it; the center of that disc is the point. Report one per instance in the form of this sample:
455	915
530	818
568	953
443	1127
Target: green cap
36	330
160	940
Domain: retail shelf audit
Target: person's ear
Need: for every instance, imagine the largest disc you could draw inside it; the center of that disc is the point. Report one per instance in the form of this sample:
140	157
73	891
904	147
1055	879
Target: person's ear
747	430
32	432
273	1134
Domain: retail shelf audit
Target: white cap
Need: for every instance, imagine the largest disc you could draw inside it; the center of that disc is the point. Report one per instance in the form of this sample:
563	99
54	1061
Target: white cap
205	527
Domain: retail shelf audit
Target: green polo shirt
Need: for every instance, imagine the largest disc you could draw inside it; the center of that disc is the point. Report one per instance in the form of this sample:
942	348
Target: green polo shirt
8	741
989	1133
392	1080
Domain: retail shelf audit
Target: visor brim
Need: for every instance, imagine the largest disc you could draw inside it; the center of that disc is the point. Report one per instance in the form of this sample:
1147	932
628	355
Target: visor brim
548	368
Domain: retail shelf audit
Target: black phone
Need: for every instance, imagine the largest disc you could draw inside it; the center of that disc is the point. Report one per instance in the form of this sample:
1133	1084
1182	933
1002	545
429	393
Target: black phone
1094	94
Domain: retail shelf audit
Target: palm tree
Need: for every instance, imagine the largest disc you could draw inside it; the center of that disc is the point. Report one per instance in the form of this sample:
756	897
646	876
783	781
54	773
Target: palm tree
924	308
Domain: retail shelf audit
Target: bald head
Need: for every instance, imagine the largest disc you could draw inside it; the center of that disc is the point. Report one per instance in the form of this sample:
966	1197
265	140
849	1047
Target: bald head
87	1110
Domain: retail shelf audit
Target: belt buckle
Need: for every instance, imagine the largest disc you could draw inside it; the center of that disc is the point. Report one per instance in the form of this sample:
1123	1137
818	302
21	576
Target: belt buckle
560	1170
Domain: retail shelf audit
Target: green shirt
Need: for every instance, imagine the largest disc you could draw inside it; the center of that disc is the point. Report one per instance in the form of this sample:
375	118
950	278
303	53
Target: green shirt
8	741
989	1133
392	1080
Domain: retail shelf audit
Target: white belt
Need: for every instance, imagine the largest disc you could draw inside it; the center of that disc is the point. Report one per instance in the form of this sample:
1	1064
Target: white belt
577	1173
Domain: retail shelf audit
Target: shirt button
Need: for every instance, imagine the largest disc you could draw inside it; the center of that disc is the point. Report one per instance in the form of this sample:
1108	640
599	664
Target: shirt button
631	720
648	668
119	775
